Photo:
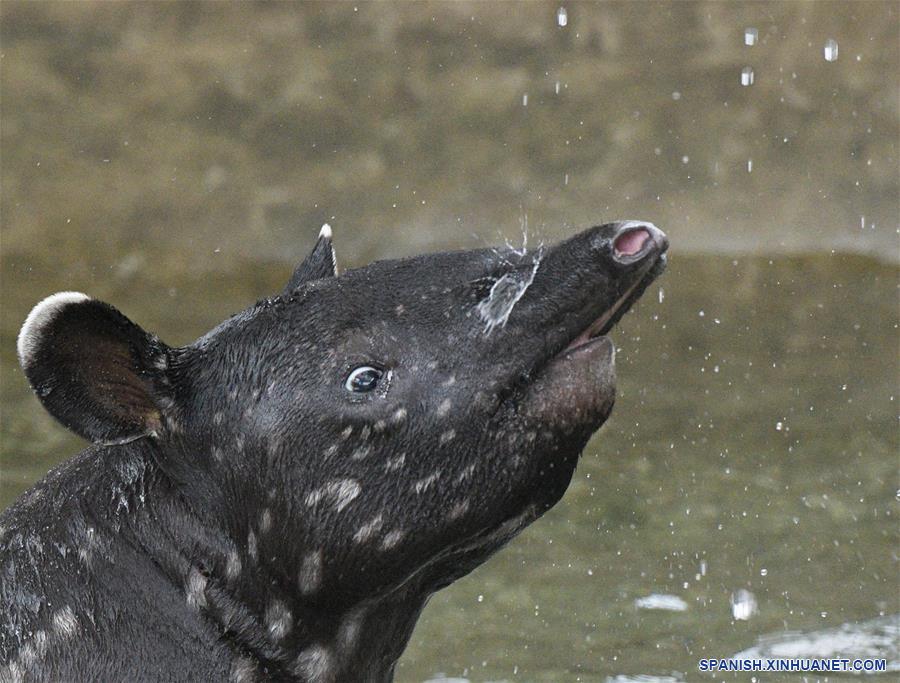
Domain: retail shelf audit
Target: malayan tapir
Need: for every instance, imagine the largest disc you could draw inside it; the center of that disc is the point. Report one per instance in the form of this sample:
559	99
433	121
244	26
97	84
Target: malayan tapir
279	499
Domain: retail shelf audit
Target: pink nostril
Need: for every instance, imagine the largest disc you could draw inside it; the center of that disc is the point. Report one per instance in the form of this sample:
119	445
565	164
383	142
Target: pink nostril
631	242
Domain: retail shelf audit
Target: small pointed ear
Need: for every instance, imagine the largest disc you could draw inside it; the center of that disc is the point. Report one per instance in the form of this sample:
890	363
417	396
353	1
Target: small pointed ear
93	369
320	263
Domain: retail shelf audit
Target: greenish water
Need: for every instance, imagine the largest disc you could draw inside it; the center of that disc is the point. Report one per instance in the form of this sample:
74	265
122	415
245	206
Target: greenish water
753	446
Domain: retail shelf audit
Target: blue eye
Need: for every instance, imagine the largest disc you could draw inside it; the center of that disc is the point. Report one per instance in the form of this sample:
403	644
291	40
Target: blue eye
362	379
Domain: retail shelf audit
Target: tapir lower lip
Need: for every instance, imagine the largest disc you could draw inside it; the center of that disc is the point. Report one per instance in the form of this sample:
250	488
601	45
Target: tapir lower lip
607	320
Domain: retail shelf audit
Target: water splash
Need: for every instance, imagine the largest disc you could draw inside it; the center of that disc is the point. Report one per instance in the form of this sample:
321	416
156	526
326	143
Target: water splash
670	603
830	50
562	16
505	294
747	76
877	638
751	35
743	605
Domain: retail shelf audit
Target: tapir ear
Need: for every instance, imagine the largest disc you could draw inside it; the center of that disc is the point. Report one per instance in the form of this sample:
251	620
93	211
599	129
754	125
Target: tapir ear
320	263
94	370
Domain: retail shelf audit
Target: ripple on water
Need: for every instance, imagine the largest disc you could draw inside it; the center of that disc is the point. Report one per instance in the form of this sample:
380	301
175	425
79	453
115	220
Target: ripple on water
876	639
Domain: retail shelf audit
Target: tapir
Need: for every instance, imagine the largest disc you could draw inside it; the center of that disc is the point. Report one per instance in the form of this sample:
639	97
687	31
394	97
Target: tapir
278	500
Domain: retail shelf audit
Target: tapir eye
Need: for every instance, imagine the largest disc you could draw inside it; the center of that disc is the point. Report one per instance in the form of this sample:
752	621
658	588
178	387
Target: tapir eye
362	379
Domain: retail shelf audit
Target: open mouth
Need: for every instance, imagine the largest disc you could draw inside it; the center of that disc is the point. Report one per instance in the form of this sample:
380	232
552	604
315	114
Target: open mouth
629	247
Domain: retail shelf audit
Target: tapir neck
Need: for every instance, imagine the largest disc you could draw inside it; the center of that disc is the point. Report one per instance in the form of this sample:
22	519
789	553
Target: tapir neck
238	587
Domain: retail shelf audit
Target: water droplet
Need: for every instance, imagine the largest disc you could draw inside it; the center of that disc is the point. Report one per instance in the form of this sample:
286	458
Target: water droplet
831	50
743	605
566	181
749	165
779	426
676	95
685	159
525	100
556	87
751	35
747	76
662	294
562	17
763	572
480	598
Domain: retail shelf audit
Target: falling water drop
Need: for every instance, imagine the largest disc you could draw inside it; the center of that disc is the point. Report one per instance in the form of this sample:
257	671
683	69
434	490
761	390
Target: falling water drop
557	87
525	100
831	50
743	605
751	35
749	165
747	76
562	17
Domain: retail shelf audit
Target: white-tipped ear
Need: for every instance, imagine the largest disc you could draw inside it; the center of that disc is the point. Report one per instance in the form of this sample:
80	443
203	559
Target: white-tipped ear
94	370
320	263
40	316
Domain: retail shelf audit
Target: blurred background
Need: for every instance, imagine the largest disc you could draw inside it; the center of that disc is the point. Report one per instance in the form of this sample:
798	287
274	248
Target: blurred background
176	159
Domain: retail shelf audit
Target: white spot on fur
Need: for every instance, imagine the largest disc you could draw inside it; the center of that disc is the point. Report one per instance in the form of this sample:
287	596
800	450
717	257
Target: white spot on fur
398	416
458	510
196	589
265	521
65	624
279	620
367	530
348	632
360	453
313	497
424	484
15	672
252	546
341	492
41	640
392	539
346	433
466	473
242	671
395	463
311	572
41	315
232	565
450	381
447	436
217	418
444	407
346	491
27	655
314	664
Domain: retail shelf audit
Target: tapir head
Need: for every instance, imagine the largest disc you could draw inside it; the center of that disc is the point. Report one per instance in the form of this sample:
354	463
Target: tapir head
386	427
